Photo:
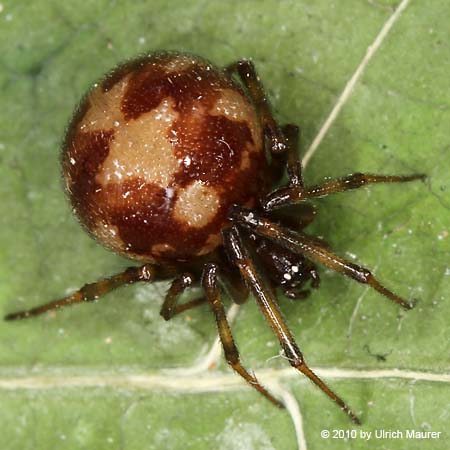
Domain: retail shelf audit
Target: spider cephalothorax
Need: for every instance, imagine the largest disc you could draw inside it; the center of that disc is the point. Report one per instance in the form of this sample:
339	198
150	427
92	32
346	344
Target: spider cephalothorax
172	161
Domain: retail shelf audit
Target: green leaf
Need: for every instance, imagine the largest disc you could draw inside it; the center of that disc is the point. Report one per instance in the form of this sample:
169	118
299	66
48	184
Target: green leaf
66	380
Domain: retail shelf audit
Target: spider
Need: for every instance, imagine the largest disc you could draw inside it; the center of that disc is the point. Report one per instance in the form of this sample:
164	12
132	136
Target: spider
173	162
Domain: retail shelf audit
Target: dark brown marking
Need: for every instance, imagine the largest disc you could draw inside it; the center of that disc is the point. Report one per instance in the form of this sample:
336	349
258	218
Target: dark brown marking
147	220
87	151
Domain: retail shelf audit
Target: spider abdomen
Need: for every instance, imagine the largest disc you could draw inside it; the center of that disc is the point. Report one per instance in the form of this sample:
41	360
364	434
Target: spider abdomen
156	154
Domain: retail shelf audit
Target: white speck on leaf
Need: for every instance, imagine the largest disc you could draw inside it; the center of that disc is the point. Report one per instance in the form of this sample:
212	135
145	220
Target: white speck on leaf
442	235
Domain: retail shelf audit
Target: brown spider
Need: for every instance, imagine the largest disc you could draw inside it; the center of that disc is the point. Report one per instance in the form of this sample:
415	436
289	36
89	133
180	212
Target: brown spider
171	161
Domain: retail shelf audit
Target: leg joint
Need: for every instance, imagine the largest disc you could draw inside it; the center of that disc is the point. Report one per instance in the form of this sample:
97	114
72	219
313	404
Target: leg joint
233	359
355	180
90	292
294	356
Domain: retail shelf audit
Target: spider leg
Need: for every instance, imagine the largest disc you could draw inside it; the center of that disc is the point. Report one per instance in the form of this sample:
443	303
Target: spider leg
297	216
209	281
307	245
294	194
283	140
294	164
289	159
247	73
92	291
231	281
170	306
266	301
